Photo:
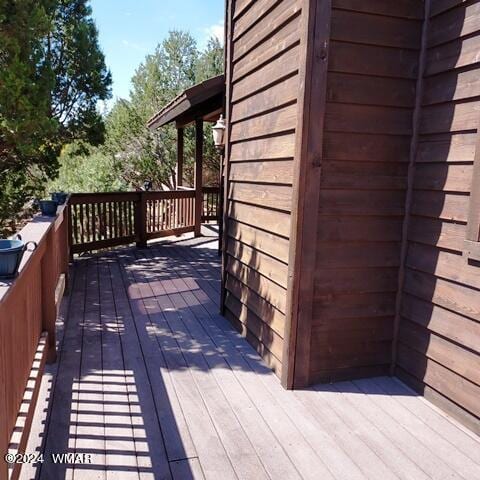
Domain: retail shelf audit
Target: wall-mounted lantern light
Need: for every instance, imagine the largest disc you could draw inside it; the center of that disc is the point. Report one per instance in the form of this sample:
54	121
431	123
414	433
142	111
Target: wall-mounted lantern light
219	133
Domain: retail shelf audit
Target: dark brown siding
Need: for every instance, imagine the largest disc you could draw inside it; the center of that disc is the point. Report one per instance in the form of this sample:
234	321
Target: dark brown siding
262	86
439	331
373	65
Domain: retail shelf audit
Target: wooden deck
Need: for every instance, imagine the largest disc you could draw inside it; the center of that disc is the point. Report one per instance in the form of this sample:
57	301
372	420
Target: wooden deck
154	383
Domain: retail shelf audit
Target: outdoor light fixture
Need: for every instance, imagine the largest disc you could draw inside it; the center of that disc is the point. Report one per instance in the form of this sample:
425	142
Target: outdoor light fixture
219	133
147	185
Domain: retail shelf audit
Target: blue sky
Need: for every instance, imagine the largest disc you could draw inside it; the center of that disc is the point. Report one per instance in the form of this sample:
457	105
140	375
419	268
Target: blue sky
129	30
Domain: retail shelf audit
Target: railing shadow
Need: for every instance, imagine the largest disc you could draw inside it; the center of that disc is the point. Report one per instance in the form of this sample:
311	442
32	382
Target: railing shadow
137	328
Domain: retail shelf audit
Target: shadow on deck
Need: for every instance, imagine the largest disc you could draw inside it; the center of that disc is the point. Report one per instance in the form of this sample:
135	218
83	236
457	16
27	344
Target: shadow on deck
153	383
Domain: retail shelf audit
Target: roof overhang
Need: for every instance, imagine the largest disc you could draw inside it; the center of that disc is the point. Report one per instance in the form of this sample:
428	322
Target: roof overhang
204	100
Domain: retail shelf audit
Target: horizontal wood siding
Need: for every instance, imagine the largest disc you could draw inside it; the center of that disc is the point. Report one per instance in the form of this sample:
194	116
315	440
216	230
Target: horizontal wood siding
263	83
373	65
439	332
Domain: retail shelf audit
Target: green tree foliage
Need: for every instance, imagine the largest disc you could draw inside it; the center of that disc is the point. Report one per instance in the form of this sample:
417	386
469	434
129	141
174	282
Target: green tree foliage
210	62
81	76
143	154
52	74
87	169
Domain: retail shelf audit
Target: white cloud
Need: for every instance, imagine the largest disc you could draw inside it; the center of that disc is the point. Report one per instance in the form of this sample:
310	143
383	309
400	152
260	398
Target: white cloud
216	30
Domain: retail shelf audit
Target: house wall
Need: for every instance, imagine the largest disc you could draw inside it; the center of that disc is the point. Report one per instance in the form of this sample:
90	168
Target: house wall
439	331
388	283
372	71
263	48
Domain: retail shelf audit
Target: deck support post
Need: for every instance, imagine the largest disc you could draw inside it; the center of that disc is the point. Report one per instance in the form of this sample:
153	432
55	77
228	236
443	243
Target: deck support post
180	156
198	176
49	309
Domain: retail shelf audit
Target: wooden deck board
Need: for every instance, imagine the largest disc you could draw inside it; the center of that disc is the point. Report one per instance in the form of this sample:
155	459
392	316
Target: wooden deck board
155	384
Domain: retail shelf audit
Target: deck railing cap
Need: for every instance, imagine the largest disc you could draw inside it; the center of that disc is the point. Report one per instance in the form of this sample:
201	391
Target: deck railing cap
34	231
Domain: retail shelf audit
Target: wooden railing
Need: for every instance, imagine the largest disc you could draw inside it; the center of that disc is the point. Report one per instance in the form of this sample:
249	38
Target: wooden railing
102	220
169	213
28	311
211	203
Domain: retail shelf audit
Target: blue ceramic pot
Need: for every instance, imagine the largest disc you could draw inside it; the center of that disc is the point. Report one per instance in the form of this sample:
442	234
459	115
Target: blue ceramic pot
11	254
48	207
59	197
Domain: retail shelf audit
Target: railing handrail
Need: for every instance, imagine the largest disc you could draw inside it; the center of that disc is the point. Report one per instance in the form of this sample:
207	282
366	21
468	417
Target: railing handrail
77	198
211	189
166	194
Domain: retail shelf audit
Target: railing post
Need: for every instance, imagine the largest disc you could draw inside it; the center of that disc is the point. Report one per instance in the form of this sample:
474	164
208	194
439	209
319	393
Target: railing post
49	310
180	155
141	220
198	176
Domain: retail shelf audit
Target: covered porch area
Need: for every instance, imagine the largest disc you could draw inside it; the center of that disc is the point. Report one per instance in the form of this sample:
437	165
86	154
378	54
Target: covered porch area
196	105
152	383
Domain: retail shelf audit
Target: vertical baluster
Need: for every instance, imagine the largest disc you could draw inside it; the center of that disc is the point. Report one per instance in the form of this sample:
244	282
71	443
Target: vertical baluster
148	216
166	207
191	209
104	210
180	219
111	233
75	222
100	220
174	221
94	221
130	221
120	220
82	225
107	220
161	208
87	221
115	219
125	218
153	213
175	212
113	223
168	204
150	207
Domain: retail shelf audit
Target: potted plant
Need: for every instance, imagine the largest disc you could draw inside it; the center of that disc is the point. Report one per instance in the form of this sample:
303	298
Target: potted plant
11	254
59	197
48	207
